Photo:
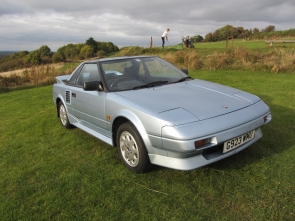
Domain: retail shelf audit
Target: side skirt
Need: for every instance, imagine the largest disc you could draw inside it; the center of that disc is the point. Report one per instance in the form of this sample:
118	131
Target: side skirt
92	129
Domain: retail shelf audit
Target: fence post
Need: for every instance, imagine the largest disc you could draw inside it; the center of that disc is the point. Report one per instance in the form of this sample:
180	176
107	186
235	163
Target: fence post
151	42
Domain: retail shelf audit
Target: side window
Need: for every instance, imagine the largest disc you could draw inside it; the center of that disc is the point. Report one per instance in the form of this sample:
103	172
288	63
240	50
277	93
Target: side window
89	72
74	76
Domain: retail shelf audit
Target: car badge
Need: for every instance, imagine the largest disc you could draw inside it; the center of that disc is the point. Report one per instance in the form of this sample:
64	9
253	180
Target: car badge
224	106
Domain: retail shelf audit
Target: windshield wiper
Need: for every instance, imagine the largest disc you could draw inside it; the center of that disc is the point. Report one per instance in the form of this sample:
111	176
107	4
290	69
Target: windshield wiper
152	84
183	79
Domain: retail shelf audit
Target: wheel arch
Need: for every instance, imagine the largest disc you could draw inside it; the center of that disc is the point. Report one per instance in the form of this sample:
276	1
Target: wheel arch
127	116
57	103
116	124
57	100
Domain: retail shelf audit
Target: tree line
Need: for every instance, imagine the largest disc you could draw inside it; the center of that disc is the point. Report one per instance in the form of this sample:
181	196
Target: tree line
230	31
91	48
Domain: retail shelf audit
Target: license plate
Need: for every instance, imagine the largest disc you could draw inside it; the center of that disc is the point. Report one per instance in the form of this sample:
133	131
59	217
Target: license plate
238	141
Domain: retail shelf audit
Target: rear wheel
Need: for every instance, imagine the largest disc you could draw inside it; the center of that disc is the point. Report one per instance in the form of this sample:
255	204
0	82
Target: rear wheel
63	116
132	149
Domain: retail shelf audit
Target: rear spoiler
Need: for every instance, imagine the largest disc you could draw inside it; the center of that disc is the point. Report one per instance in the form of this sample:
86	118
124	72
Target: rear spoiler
60	79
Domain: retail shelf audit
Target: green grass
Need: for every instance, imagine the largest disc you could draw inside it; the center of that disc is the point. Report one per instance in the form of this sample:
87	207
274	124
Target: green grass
250	44
51	173
222	44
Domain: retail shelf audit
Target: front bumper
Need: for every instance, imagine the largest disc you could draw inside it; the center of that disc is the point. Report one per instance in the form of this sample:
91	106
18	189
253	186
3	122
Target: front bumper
208	156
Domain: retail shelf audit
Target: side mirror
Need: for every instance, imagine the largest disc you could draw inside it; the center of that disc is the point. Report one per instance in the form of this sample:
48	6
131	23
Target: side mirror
185	70
92	86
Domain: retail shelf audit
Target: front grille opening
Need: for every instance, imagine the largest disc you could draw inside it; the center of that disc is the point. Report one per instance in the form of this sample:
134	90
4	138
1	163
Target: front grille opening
213	152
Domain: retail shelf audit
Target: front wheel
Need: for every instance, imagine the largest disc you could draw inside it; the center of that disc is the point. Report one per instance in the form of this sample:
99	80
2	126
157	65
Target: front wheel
63	116
132	149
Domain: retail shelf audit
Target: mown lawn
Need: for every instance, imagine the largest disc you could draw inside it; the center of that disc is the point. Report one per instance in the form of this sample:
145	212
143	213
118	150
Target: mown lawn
51	173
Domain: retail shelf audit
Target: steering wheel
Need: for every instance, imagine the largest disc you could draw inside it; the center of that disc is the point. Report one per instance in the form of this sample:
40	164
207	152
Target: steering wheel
119	80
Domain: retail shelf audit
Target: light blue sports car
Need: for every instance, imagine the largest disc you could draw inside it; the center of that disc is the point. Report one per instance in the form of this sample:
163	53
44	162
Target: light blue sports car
155	113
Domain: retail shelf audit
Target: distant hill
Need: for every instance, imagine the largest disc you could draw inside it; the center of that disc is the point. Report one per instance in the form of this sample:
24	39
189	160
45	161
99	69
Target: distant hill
5	53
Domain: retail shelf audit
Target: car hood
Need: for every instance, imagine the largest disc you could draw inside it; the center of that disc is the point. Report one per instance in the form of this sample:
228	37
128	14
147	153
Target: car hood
190	101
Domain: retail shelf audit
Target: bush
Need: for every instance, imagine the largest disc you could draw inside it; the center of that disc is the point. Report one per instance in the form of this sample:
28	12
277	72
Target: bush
58	57
101	53
36	76
14	64
237	58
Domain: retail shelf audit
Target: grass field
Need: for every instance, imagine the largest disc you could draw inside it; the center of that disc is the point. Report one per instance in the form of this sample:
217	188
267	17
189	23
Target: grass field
237	42
250	44
51	173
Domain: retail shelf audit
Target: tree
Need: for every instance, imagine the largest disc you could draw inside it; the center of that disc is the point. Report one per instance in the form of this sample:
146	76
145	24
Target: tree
270	28
255	31
79	47
86	52
110	47
92	43
21	54
61	50
216	36
240	30
225	32
196	39
44	51
58	57
71	51
33	58
208	37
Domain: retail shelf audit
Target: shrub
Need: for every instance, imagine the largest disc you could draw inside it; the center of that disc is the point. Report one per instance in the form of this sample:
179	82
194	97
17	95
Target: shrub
101	53
35	76
58	57
14	64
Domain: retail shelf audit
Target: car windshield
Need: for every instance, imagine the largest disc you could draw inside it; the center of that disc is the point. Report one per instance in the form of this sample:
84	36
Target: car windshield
140	72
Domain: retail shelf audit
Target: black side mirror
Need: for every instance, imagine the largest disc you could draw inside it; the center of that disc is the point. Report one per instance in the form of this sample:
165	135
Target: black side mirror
92	86
185	70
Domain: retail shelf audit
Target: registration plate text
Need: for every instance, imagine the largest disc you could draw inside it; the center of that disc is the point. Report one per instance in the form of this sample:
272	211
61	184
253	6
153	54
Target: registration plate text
238	141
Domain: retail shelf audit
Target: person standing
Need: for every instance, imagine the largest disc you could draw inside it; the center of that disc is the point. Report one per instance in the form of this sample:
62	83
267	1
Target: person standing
164	35
186	40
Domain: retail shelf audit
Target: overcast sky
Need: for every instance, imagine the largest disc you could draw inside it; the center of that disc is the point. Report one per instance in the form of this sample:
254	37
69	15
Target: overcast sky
29	24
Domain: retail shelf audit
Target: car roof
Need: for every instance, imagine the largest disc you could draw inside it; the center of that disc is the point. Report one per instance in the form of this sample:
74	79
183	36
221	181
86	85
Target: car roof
115	58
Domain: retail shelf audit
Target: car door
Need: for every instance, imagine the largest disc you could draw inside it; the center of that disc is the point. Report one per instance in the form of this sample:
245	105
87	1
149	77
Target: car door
88	106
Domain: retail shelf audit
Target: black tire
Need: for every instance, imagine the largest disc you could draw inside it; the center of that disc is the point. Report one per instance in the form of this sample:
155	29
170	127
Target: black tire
132	149
63	115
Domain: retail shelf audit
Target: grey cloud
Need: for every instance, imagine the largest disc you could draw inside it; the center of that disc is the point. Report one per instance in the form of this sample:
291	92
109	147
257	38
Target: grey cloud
130	22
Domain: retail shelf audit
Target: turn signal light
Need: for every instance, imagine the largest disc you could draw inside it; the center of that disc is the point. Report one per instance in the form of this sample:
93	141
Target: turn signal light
265	119
200	143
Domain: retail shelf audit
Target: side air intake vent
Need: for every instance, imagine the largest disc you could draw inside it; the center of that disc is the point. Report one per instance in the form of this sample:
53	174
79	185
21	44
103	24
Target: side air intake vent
68	97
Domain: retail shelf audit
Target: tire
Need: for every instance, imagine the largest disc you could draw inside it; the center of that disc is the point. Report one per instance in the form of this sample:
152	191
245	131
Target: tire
131	148
63	115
